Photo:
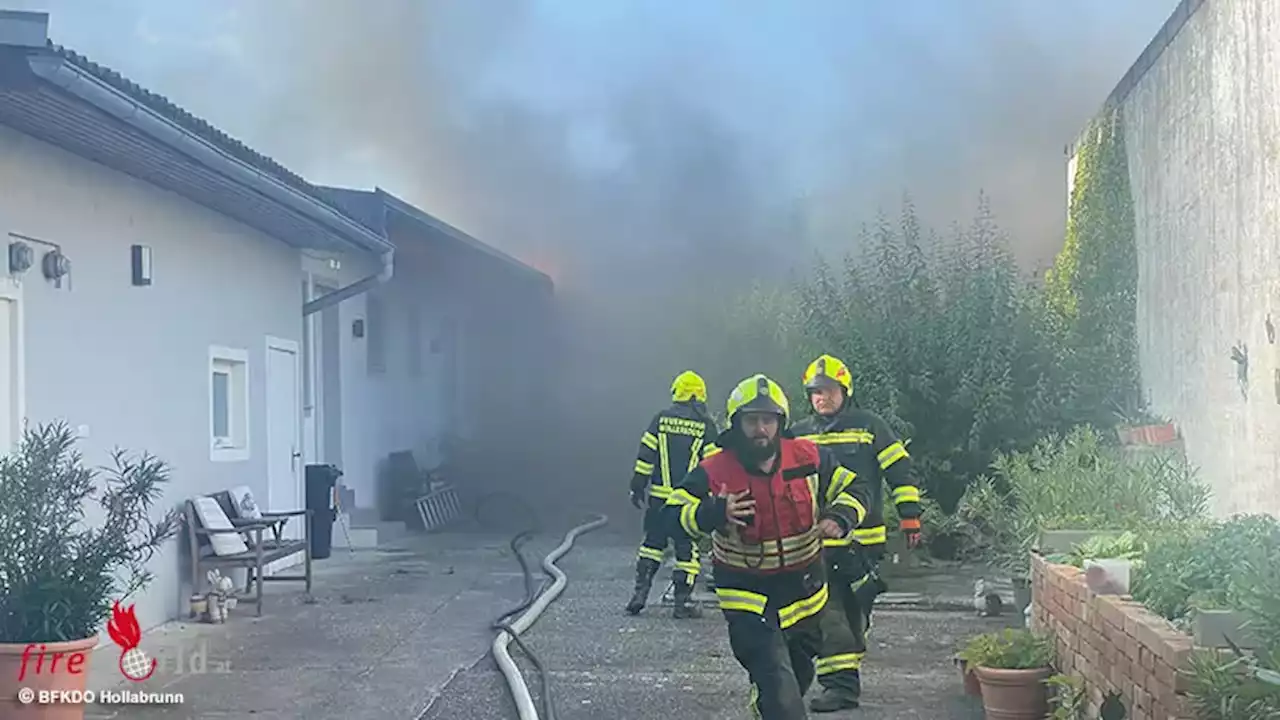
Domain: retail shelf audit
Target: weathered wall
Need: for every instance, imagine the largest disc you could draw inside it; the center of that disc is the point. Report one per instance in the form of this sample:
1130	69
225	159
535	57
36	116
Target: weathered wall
1202	127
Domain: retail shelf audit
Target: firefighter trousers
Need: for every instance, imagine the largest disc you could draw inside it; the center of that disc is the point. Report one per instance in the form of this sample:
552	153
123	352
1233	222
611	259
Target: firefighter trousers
654	546
775	638
847	620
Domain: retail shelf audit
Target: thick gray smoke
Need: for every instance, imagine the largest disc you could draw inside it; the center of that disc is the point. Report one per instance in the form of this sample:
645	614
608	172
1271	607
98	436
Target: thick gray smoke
648	154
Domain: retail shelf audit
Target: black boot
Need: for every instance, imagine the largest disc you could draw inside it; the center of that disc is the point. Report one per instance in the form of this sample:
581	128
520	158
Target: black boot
684	605
645	570
838	697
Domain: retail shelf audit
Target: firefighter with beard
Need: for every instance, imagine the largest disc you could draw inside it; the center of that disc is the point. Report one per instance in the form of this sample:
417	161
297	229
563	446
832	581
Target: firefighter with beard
767	502
676	440
863	441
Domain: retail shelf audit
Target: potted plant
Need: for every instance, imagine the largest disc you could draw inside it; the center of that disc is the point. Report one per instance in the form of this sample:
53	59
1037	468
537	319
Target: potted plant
60	571
1012	666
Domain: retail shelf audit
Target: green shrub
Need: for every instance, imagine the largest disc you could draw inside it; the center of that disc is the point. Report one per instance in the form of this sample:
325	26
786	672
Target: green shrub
1198	566
1009	649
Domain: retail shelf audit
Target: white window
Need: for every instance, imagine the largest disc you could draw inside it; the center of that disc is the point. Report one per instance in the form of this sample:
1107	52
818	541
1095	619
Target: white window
228	404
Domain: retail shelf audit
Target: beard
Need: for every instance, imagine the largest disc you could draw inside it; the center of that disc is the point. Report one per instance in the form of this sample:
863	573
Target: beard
754	452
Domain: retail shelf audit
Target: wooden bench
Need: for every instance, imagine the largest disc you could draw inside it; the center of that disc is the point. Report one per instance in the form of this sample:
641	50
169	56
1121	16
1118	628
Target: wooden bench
221	539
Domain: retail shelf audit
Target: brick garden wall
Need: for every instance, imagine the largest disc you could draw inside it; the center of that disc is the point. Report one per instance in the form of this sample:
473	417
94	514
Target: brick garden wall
1116	645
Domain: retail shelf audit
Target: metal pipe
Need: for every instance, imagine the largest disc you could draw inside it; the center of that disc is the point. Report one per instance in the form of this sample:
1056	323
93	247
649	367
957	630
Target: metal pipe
360	286
525	706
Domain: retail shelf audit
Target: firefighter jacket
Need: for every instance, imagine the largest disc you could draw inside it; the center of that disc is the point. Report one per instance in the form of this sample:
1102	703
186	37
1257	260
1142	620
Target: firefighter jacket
773	564
676	440
807	485
863	442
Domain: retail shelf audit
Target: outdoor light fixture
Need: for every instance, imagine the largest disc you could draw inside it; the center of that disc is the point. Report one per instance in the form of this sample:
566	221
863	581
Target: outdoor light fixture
21	257
141	260
55	265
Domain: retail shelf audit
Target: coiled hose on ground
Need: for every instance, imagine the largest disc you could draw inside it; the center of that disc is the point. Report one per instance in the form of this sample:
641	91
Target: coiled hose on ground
532	608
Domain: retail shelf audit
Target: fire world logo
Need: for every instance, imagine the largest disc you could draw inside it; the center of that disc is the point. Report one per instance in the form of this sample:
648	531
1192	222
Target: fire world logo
125	631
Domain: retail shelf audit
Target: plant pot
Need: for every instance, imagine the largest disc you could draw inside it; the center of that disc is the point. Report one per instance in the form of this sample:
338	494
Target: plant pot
1014	694
1022	593
68	675
972	687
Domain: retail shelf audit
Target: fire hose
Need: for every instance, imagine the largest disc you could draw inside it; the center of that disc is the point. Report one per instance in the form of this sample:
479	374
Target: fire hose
532	607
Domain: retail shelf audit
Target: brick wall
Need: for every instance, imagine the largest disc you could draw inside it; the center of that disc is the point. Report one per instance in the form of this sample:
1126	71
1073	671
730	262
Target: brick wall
1114	644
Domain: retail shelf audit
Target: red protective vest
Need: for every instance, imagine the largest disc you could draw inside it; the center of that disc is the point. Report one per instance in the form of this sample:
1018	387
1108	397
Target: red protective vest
784	533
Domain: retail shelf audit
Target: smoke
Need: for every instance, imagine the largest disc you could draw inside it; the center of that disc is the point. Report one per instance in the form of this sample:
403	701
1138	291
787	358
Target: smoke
652	156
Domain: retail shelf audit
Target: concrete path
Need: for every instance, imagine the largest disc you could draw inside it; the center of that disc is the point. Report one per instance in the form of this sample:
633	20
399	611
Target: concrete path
403	634
605	664
381	634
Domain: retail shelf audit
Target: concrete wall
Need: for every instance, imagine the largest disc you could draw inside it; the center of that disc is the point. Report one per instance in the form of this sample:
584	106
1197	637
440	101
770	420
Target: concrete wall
131	364
1202	126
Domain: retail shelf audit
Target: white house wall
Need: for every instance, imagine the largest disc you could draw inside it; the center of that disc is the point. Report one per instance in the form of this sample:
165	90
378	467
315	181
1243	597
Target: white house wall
1203	133
132	363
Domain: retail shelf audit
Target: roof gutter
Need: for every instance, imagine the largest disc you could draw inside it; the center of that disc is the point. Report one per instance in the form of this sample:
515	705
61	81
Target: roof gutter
66	76
356	288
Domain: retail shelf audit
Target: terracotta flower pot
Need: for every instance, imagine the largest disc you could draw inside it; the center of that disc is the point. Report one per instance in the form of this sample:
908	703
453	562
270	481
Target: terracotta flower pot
972	687
1014	694
56	666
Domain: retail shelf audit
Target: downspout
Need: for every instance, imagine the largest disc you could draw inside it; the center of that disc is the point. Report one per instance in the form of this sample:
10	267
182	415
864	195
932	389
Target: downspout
360	286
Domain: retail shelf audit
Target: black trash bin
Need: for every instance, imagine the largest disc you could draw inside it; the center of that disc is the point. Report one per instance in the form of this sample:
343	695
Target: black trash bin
320	481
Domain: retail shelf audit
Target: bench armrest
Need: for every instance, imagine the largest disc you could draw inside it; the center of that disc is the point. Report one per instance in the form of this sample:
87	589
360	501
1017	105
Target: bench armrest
285	514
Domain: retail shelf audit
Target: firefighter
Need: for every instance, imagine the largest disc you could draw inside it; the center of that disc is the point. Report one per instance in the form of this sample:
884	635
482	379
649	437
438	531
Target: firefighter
676	440
767	502
863	442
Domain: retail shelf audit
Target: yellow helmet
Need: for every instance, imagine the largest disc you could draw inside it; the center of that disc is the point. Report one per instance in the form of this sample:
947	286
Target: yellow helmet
687	386
758	394
827	370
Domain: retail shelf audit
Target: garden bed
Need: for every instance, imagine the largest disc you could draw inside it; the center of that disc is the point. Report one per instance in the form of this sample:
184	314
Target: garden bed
1115	645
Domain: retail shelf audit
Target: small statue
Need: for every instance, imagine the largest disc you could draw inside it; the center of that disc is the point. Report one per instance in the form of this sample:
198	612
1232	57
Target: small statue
987	603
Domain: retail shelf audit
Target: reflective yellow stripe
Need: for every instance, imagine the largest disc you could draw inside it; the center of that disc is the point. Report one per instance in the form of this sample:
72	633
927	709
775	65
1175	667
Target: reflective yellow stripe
741	600
845	541
709	450
838	663
840	437
906	493
649	553
763	557
649	440
871	536
657	491
644	468
689	518
691	567
680	496
694	454
891	455
664	459
841	478
801	609
850	501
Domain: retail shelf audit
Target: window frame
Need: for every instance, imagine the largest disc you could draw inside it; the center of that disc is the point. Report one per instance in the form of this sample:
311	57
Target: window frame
233	362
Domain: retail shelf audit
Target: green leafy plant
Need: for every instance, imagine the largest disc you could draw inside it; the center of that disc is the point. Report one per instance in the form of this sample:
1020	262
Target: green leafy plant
60	570
1009	649
1067	697
1240	687
1126	546
1198	566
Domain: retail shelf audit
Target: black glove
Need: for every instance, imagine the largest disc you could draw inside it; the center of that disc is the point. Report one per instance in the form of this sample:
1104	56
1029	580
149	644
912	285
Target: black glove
639	488
638	498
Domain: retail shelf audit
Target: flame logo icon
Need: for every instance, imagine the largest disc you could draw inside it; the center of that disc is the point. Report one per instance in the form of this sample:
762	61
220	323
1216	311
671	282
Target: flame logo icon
125	632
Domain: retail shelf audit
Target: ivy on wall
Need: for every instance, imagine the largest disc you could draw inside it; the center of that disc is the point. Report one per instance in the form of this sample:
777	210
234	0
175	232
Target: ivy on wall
1091	290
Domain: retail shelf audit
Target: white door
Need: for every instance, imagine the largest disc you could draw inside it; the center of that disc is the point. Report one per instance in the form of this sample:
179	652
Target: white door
284	432
11	380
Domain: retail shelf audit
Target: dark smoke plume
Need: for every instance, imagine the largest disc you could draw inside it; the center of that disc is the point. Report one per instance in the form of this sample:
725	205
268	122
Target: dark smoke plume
649	154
